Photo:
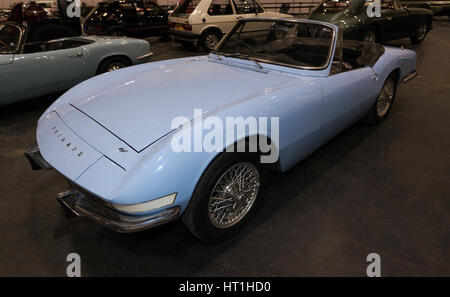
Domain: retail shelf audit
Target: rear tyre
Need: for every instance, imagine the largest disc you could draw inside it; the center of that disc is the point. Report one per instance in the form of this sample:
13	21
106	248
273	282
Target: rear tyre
225	196
421	32
112	64
210	39
370	36
384	102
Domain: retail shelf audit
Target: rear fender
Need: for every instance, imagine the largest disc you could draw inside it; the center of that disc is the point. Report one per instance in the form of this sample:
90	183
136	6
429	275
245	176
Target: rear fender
394	58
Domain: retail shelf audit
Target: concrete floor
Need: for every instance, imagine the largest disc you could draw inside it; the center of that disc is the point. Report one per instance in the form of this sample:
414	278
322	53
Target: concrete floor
382	189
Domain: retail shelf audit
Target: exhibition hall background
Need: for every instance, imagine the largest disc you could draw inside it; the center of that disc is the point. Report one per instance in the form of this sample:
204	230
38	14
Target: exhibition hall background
295	5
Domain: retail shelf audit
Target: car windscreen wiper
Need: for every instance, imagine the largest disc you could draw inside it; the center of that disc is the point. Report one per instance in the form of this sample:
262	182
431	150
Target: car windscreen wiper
239	55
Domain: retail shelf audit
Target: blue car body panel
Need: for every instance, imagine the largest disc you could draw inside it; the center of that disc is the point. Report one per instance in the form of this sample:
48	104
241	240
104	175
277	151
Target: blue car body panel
28	75
131	110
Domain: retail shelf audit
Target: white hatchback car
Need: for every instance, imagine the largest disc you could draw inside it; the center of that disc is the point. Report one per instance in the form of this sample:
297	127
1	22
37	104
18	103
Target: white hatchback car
206	21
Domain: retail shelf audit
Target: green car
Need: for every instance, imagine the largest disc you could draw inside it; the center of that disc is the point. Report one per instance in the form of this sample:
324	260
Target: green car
438	7
359	20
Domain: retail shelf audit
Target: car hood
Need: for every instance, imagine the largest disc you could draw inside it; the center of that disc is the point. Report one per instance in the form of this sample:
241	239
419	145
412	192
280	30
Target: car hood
138	104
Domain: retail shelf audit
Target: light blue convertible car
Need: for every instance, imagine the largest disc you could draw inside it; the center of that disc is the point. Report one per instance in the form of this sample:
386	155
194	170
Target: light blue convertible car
137	144
33	69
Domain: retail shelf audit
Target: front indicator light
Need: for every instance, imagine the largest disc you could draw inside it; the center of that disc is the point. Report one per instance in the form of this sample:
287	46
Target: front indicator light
146	206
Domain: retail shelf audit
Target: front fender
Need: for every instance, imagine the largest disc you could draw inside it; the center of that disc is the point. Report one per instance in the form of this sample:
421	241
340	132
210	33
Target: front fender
162	171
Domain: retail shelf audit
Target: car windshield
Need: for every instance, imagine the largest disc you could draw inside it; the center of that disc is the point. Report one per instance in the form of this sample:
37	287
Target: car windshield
185	7
290	43
332	6
9	38
113	11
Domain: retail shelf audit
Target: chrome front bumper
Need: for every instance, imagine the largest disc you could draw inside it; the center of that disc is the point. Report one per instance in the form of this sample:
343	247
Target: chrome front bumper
410	77
79	202
36	161
100	211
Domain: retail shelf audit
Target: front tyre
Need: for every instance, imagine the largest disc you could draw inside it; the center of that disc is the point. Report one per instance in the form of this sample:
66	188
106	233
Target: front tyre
225	196
383	104
421	32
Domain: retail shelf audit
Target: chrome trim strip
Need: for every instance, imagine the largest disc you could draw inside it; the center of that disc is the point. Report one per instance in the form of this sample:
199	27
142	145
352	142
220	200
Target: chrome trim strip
146	56
100	212
410	77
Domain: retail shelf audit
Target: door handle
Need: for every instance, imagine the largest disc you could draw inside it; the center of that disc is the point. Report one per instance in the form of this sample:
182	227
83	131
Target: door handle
389	18
76	55
239	18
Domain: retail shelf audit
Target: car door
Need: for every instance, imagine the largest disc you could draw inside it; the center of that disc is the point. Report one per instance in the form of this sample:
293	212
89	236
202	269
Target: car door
222	14
6	69
392	19
11	40
46	71
405	21
347	94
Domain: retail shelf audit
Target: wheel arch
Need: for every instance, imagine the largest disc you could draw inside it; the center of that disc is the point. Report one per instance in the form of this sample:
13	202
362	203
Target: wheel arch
396	72
211	28
108	57
160	164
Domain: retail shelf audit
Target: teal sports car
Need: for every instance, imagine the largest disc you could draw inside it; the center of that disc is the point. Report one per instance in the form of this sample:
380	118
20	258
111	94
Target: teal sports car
32	69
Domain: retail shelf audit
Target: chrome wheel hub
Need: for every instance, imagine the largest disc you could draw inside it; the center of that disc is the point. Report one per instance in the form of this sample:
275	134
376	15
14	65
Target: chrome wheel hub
385	98
233	195
114	66
211	41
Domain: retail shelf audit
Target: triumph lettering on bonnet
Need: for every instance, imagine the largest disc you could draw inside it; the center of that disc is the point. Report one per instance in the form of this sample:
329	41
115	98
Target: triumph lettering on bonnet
69	144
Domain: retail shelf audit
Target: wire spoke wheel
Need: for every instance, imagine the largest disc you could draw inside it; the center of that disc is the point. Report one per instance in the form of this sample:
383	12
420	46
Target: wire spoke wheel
233	195
385	98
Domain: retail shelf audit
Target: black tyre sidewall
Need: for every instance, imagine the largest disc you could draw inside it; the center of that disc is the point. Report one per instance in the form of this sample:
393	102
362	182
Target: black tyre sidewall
196	216
105	63
415	39
372	117
203	39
